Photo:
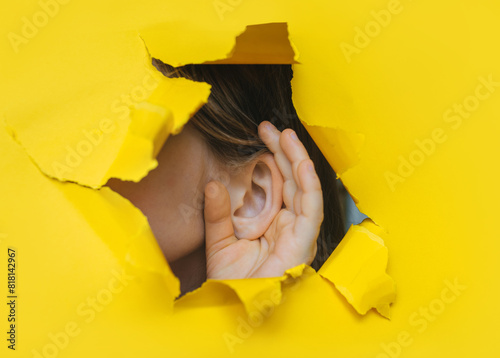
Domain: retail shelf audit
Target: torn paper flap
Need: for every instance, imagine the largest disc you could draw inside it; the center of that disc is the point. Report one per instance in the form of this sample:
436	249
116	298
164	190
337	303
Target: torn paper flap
357	269
266	43
113	132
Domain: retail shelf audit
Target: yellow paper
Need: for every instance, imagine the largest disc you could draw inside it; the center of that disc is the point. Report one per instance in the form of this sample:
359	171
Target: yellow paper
403	94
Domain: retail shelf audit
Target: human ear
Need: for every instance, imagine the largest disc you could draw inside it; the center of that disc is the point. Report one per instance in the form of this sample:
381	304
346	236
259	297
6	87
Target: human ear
256	194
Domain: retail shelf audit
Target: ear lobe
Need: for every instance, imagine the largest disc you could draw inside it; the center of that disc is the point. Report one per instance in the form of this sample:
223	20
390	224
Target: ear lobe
256	197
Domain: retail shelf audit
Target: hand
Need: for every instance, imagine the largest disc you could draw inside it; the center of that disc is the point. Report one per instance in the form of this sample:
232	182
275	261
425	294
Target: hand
291	238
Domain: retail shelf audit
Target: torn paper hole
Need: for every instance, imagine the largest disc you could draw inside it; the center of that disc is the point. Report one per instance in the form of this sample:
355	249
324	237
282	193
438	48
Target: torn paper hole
258	44
152	120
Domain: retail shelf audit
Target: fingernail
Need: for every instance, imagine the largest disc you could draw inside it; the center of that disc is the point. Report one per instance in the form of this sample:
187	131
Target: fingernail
294	135
266	126
310	167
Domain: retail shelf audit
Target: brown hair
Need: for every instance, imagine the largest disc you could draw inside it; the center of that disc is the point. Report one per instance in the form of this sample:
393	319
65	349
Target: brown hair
241	97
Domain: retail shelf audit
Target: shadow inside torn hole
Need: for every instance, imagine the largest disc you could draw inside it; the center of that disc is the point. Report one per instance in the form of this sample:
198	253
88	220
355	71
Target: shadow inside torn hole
352	215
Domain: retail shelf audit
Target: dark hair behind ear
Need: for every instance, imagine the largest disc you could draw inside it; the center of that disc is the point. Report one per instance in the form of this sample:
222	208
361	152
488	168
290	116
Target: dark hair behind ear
242	96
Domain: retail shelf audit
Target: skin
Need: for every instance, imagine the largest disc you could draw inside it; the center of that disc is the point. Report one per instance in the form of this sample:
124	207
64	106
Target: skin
213	223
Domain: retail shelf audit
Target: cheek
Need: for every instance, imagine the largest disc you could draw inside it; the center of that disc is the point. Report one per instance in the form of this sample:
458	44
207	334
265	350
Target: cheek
192	217
183	228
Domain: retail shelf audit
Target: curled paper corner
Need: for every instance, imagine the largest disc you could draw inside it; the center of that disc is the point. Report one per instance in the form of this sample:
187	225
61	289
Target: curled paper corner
294	49
120	137
357	268
267	43
342	148
164	112
152	121
252	293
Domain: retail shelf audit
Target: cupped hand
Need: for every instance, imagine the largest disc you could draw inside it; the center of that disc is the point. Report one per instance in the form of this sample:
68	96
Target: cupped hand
291	238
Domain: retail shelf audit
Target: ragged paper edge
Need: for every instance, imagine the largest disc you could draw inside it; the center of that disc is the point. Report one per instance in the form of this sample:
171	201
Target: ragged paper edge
268	43
133	164
357	268
116	223
153	121
261	43
344	151
125	231
365	285
258	288
253	293
165	111
150	122
142	251
247	290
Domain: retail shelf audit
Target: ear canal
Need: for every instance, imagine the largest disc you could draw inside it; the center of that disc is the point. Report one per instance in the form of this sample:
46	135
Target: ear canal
253	202
260	172
256	194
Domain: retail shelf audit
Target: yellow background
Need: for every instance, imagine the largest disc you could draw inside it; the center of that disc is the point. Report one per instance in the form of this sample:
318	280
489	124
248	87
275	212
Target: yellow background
72	241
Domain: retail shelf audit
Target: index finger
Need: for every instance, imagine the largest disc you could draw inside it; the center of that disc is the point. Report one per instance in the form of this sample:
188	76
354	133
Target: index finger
270	135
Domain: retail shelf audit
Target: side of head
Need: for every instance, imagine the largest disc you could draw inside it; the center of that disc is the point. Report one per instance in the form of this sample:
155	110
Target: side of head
242	96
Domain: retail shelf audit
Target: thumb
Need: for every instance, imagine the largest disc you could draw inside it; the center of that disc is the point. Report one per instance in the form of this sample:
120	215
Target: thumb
219	231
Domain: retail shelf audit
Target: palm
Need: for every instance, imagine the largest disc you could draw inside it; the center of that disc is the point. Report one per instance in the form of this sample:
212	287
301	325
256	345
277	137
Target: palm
289	241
